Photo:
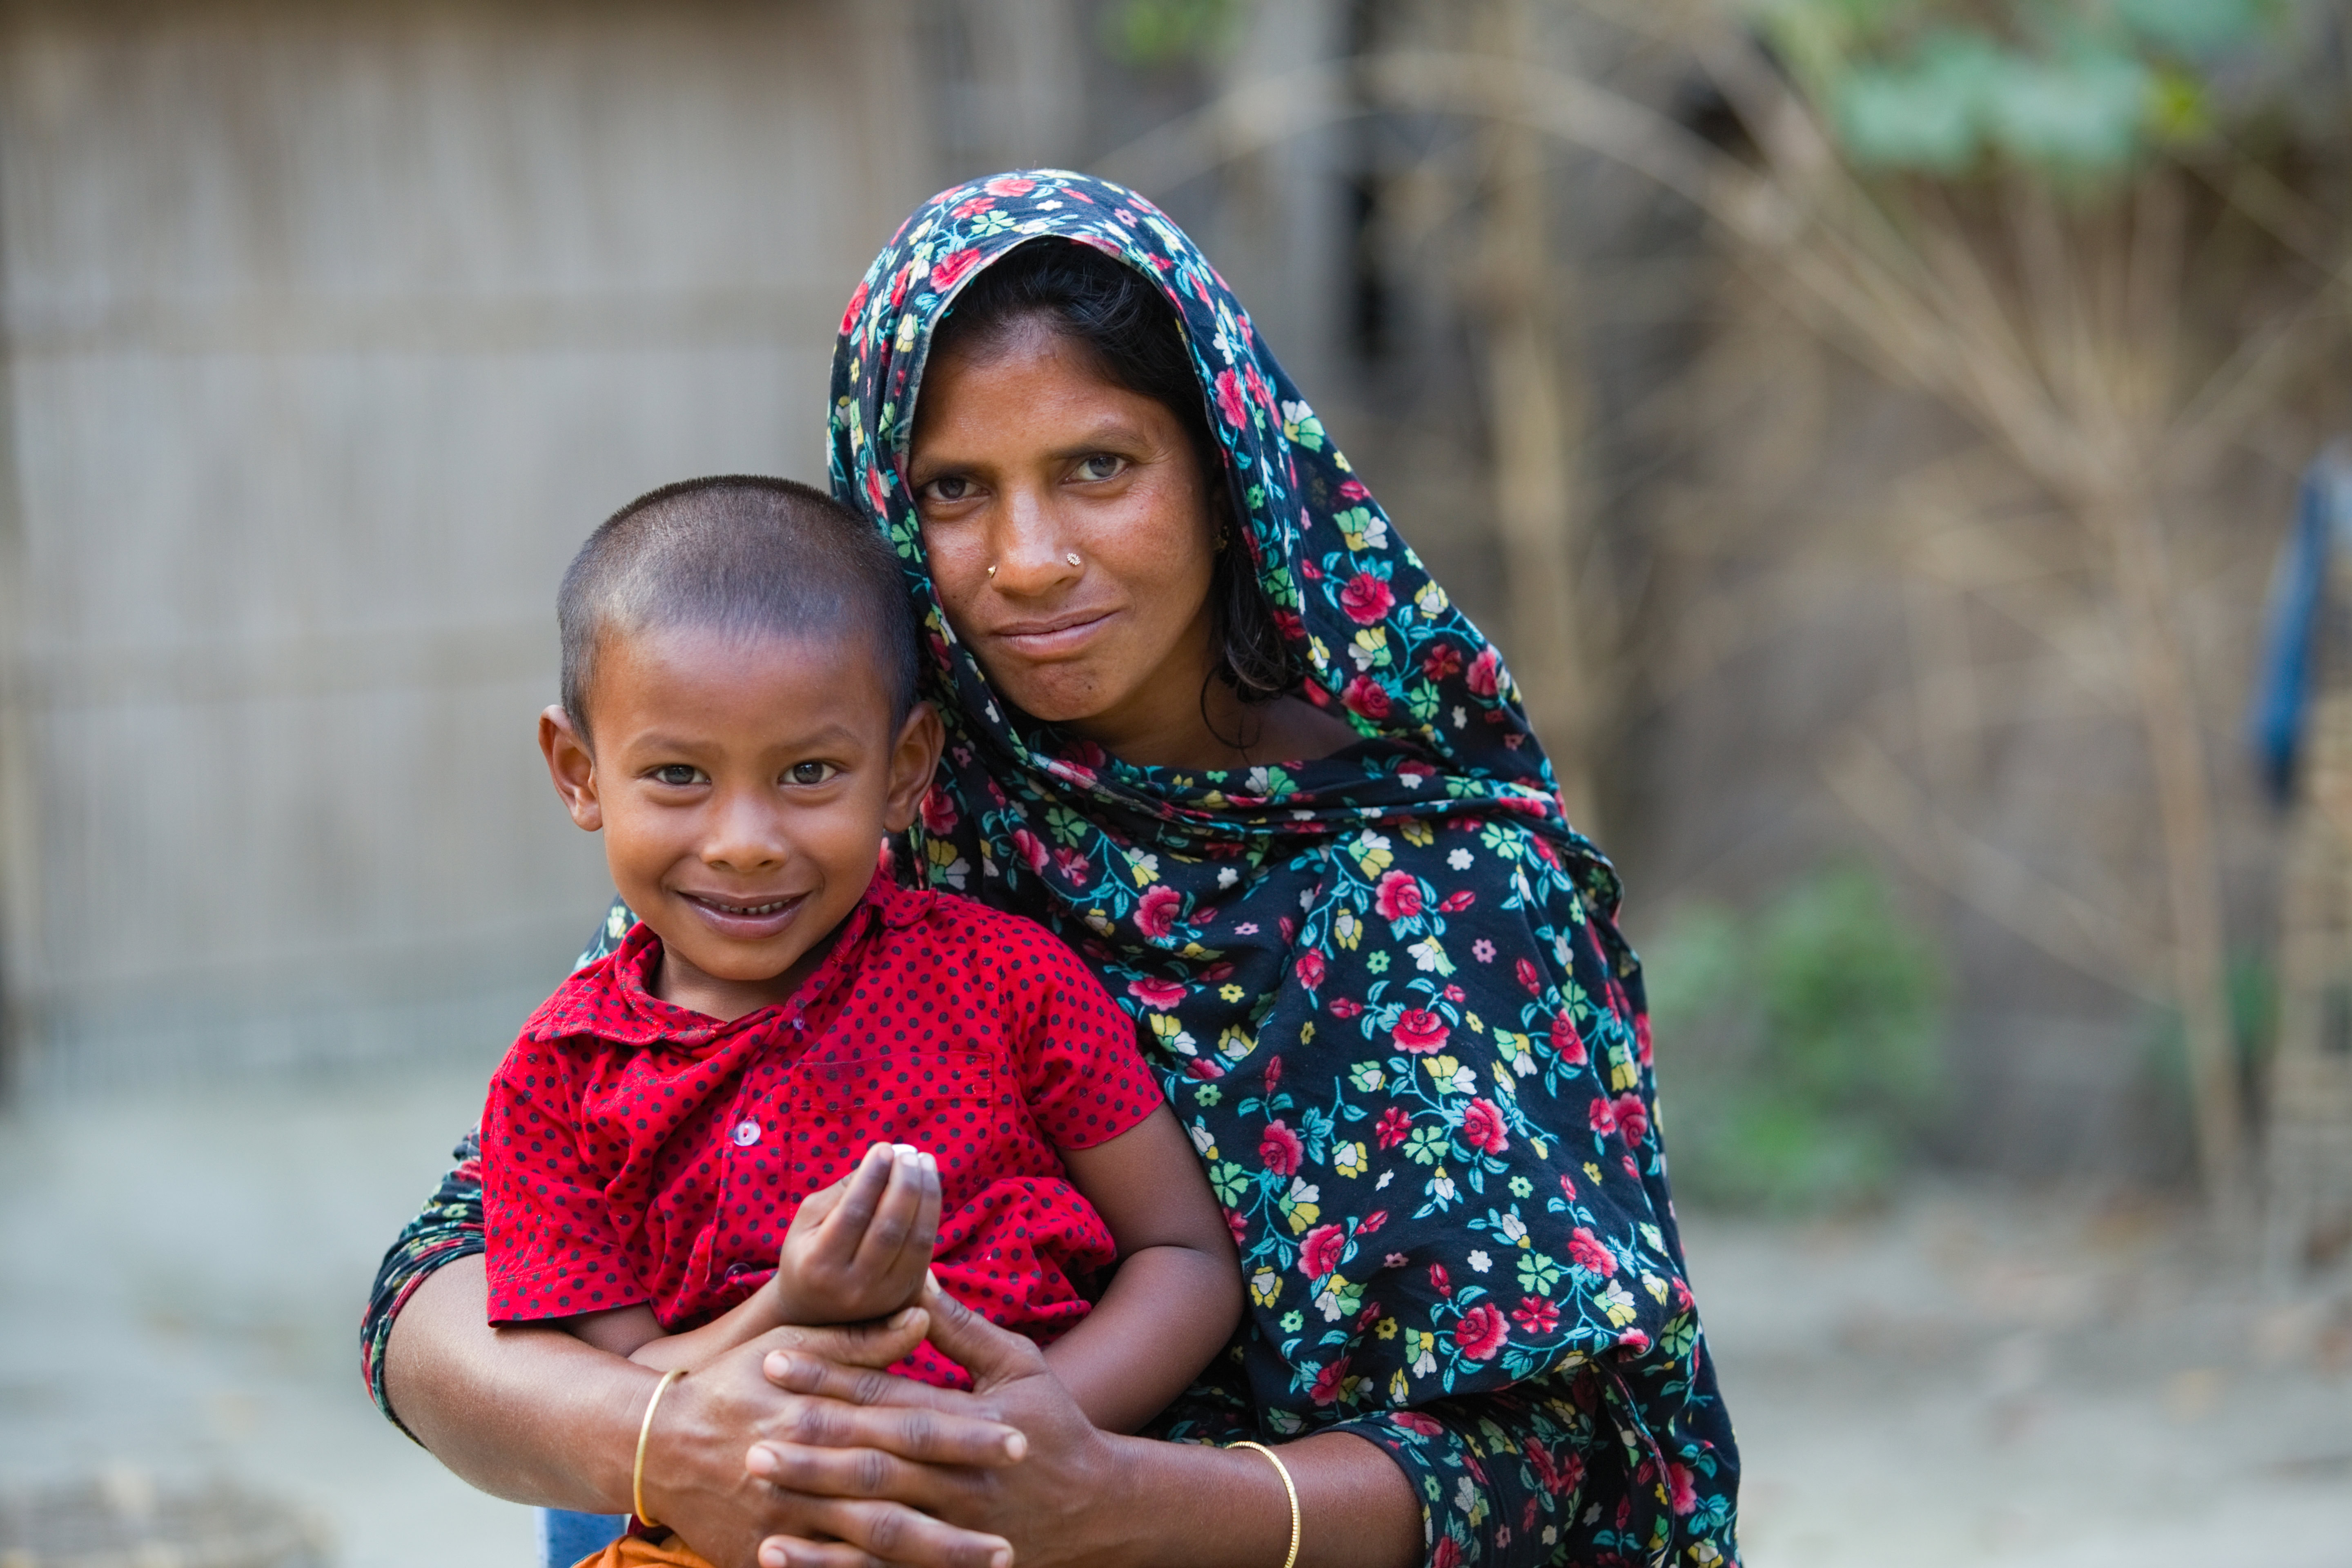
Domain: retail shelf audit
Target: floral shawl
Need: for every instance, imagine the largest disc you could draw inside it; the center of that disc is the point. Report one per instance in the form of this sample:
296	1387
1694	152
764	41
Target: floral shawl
1386	991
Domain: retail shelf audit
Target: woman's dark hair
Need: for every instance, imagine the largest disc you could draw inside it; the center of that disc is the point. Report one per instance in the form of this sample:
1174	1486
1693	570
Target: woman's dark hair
1138	344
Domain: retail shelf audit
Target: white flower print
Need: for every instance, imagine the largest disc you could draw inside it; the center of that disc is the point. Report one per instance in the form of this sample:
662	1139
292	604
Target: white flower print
1459	859
1480	1262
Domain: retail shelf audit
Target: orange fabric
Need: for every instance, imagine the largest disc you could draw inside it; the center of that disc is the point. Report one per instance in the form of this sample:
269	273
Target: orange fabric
636	1552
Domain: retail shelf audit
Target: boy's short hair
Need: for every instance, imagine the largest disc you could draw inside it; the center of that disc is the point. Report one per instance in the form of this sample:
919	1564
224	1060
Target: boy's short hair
738	553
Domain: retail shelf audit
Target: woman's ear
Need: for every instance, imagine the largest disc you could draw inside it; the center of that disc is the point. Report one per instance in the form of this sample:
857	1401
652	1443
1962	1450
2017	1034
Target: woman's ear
571	765
913	760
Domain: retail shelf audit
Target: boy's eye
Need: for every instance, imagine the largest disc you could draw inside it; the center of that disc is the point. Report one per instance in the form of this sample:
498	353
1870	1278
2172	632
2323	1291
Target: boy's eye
810	773
677	776
1101	466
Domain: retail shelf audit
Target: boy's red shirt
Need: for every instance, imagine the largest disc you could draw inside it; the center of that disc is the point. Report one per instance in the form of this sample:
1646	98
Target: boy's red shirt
634	1151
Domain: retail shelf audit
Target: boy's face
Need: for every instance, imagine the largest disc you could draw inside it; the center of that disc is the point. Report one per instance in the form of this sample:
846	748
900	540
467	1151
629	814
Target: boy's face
743	787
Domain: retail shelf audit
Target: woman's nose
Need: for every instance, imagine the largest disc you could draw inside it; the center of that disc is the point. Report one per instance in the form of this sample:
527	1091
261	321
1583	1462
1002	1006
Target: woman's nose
1030	555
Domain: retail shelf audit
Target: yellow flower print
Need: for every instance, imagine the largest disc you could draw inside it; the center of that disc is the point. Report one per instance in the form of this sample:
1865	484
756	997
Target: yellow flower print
1231	1042
1419	834
1371	853
1302	1204
1655	1287
1399	1390
1347	930
1230	993
1265	1287
1172	1034
1592	1173
1431	601
1443	1068
1617	1303
1098	923
1387	1329
1350	1160
1306	1033
906	327
1318	653
1144	867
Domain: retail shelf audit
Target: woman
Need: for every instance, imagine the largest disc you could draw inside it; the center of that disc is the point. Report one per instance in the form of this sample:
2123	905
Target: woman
1211	721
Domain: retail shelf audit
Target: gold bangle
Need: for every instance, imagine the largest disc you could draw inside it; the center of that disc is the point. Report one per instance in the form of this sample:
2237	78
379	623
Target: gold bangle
645	1430
1284	1471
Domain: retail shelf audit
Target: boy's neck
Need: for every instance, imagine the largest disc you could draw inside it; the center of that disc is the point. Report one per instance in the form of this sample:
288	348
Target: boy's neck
677	981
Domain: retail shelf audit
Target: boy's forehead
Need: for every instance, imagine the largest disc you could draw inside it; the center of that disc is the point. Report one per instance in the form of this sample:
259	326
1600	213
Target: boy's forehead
708	673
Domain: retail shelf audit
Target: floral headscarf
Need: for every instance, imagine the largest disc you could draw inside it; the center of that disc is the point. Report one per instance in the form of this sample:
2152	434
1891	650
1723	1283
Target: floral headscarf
1385	989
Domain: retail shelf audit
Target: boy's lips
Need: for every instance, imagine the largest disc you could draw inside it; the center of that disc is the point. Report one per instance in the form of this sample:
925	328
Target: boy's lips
742	919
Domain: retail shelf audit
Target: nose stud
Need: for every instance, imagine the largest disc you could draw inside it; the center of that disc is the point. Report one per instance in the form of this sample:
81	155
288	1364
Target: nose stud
991	571
1072	558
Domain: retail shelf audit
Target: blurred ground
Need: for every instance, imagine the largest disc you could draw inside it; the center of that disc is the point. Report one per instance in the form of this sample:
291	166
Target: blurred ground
1972	1378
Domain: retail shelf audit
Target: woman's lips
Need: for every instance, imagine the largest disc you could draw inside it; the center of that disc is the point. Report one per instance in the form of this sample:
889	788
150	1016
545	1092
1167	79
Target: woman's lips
742	919
1055	637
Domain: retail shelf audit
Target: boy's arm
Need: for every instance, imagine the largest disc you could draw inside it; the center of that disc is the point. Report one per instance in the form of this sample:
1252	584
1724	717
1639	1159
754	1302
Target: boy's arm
1173	1303
859	1249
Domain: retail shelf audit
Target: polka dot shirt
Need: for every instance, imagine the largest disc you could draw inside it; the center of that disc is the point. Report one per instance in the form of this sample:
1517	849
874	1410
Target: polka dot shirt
635	1150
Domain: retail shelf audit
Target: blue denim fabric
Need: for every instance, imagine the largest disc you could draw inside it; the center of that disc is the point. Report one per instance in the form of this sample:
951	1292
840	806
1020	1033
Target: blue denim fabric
565	1538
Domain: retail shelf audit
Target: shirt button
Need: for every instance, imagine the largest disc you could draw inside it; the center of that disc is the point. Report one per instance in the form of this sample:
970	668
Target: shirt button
746	1135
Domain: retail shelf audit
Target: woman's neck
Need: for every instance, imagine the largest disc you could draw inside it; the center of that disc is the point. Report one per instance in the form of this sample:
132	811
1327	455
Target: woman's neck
1219	734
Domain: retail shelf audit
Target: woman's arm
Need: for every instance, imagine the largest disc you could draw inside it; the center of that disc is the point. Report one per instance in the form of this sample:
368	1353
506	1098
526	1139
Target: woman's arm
1177	1295
539	1417
1084	1497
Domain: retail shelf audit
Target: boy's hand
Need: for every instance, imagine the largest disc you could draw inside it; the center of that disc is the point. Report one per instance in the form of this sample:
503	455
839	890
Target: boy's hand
861	1247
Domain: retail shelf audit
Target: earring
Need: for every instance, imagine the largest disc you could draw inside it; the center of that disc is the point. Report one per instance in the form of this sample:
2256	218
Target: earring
1072	558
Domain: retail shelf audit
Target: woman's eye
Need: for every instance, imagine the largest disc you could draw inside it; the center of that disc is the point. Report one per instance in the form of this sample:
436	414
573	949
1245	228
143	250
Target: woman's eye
1101	466
947	488
677	776
810	773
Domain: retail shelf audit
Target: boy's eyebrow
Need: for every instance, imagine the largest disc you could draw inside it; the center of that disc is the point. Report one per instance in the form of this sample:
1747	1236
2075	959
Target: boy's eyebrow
830	734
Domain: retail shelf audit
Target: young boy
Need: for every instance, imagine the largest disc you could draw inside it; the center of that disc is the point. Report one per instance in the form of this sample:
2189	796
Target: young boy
796	1086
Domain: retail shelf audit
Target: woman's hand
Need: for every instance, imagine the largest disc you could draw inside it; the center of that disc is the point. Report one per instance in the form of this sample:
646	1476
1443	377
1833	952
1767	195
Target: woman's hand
695	1477
1058	1504
1080	1496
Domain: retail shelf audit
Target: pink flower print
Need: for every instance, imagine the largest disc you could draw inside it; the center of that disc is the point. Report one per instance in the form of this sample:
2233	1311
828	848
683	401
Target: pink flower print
1481	1332
939	812
856	303
1439	1280
1415	1421
1032	848
1239	1224
1633	1340
1366	599
1457	902
1393	1127
1371	1221
1482	1127
1320	1250
972	208
1272	1073
1642	1038
1602	1117
1586	1251
1398	897
1328	1382
1353	491
1366	695
1309	968
1529	976
878	491
1633	1118
950	269
1161	994
1455	995
1483	671
1483	950
1419	1031
1566	1040
1229	399
1155	912
1008	186
1442	662
1279	1150
1076	869
1345	1007
1536	1316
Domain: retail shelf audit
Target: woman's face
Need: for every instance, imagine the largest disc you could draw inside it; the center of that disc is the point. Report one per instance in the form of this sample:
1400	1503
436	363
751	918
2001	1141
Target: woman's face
1070	539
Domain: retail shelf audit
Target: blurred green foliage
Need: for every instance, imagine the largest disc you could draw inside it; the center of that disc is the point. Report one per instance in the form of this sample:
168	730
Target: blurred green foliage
1800	1046
1145	33
2081	89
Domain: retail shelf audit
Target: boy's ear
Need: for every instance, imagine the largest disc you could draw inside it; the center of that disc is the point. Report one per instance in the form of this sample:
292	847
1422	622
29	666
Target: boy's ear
571	765
913	760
